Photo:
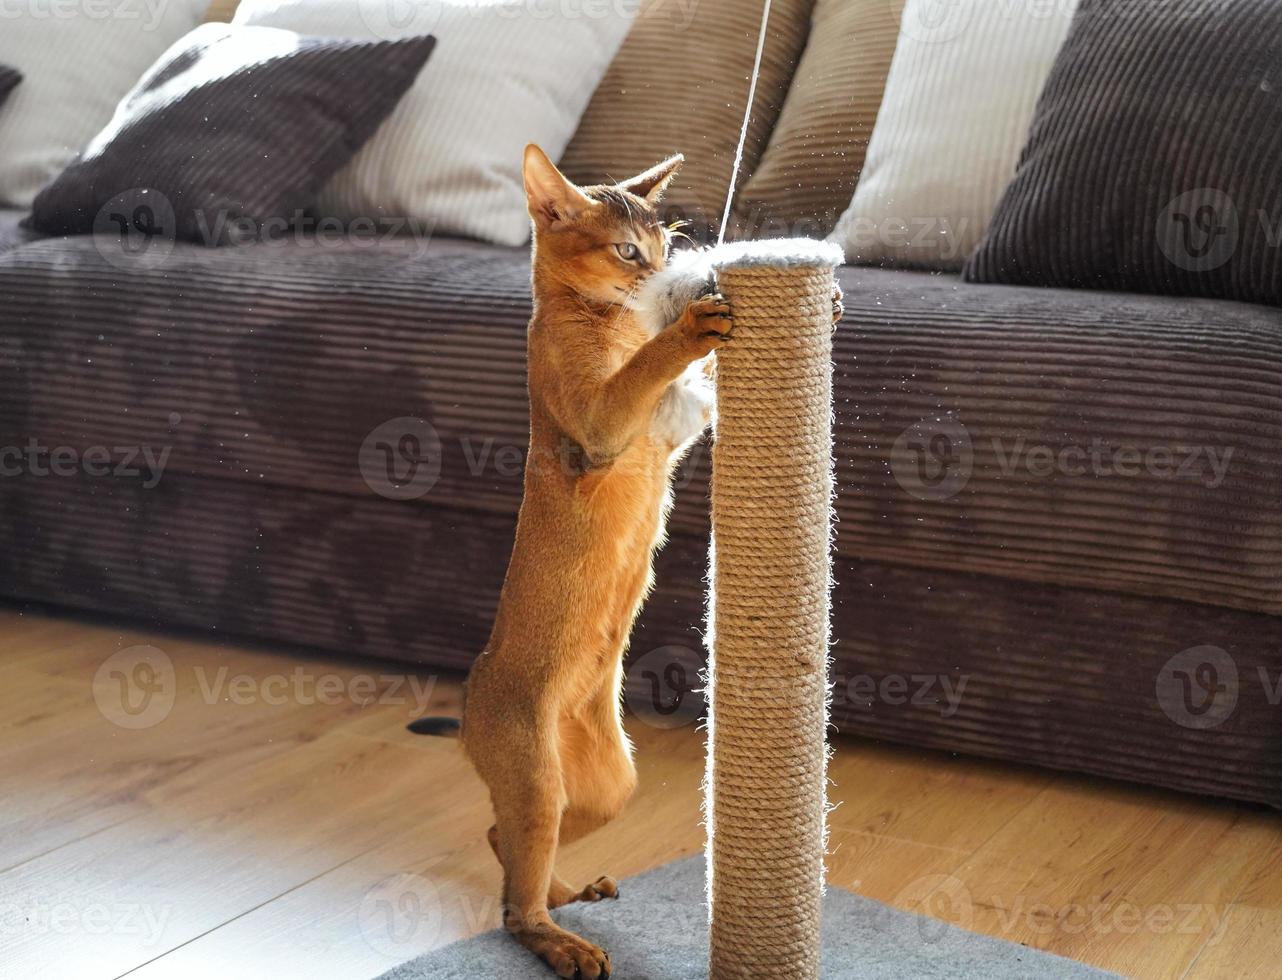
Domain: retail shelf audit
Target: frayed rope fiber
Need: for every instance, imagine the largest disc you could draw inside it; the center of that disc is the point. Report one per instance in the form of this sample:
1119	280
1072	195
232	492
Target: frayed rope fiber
772	485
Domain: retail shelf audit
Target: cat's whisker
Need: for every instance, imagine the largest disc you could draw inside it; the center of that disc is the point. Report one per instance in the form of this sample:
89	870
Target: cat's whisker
626	305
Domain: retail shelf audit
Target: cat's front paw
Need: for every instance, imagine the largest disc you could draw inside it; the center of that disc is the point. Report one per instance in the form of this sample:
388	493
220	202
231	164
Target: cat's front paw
838	304
705	325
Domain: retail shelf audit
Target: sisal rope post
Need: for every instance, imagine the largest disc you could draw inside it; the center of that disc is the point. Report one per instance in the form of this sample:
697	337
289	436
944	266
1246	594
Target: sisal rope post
770	573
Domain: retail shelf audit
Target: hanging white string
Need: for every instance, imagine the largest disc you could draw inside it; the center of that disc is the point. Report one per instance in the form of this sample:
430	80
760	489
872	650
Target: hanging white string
747	118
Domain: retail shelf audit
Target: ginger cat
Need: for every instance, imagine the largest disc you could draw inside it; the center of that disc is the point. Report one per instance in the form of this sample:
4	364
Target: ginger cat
542	718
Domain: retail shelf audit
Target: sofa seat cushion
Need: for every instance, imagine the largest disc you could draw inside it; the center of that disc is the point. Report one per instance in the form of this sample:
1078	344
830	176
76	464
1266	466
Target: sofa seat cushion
1110	441
274	363
1128	443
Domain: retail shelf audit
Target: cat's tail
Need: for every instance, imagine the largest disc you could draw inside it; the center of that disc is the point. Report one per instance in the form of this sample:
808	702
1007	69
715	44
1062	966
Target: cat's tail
435	725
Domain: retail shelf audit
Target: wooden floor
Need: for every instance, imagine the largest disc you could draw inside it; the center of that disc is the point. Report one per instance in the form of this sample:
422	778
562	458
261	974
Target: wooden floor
195	810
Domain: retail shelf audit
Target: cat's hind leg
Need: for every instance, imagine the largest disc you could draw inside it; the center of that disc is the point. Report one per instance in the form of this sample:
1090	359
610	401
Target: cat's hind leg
599	778
561	892
521	766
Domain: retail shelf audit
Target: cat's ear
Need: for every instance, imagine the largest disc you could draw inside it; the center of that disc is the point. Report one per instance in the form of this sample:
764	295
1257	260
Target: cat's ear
550	197
654	181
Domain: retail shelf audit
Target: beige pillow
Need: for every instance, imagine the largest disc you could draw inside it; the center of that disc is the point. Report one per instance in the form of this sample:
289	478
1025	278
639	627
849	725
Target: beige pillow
680	84
221	11
812	163
959	99
503	74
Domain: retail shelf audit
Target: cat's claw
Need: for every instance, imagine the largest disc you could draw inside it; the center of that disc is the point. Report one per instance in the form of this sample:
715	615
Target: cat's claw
706	323
718	304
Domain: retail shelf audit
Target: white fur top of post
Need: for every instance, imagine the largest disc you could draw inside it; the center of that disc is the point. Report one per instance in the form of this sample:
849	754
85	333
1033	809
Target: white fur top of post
691	272
777	253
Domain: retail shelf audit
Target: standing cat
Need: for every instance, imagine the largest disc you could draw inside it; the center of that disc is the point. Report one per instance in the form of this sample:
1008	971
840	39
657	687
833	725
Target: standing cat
542	723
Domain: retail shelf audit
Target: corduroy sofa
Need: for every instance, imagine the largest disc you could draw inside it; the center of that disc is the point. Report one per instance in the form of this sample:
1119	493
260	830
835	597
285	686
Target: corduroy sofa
1060	537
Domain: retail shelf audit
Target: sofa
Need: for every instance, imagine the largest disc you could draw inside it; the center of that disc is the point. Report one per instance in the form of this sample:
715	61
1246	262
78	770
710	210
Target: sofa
1059	537
984	604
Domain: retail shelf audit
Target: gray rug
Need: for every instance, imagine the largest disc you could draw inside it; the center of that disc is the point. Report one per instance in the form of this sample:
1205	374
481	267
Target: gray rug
657	930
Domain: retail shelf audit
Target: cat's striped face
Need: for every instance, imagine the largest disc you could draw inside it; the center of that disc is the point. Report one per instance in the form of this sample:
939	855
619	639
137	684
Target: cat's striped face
603	241
618	244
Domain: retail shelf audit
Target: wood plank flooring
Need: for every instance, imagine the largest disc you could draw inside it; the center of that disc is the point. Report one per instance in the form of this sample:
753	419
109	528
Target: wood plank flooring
177	807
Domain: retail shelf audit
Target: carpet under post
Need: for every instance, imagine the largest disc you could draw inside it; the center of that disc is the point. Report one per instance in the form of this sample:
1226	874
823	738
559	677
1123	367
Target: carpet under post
658	930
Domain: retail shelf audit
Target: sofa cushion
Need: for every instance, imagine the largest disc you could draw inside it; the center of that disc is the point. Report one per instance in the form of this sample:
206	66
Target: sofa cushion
680	84
962	88
1120	442
221	11
505	73
77	60
1153	159
231	134
1110	441
810	167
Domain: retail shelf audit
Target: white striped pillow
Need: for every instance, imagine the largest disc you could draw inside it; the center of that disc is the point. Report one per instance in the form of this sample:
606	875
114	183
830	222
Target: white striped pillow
505	73
77	62
958	103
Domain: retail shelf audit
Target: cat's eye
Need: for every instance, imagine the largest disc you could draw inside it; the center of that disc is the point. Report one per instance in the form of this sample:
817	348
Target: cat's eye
628	252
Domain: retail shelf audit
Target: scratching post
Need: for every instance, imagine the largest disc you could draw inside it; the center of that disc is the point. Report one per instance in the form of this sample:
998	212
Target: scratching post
768	616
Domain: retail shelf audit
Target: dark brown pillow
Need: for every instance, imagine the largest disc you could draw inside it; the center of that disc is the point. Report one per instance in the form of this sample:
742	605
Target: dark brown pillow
232	132
1154	162
9	79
